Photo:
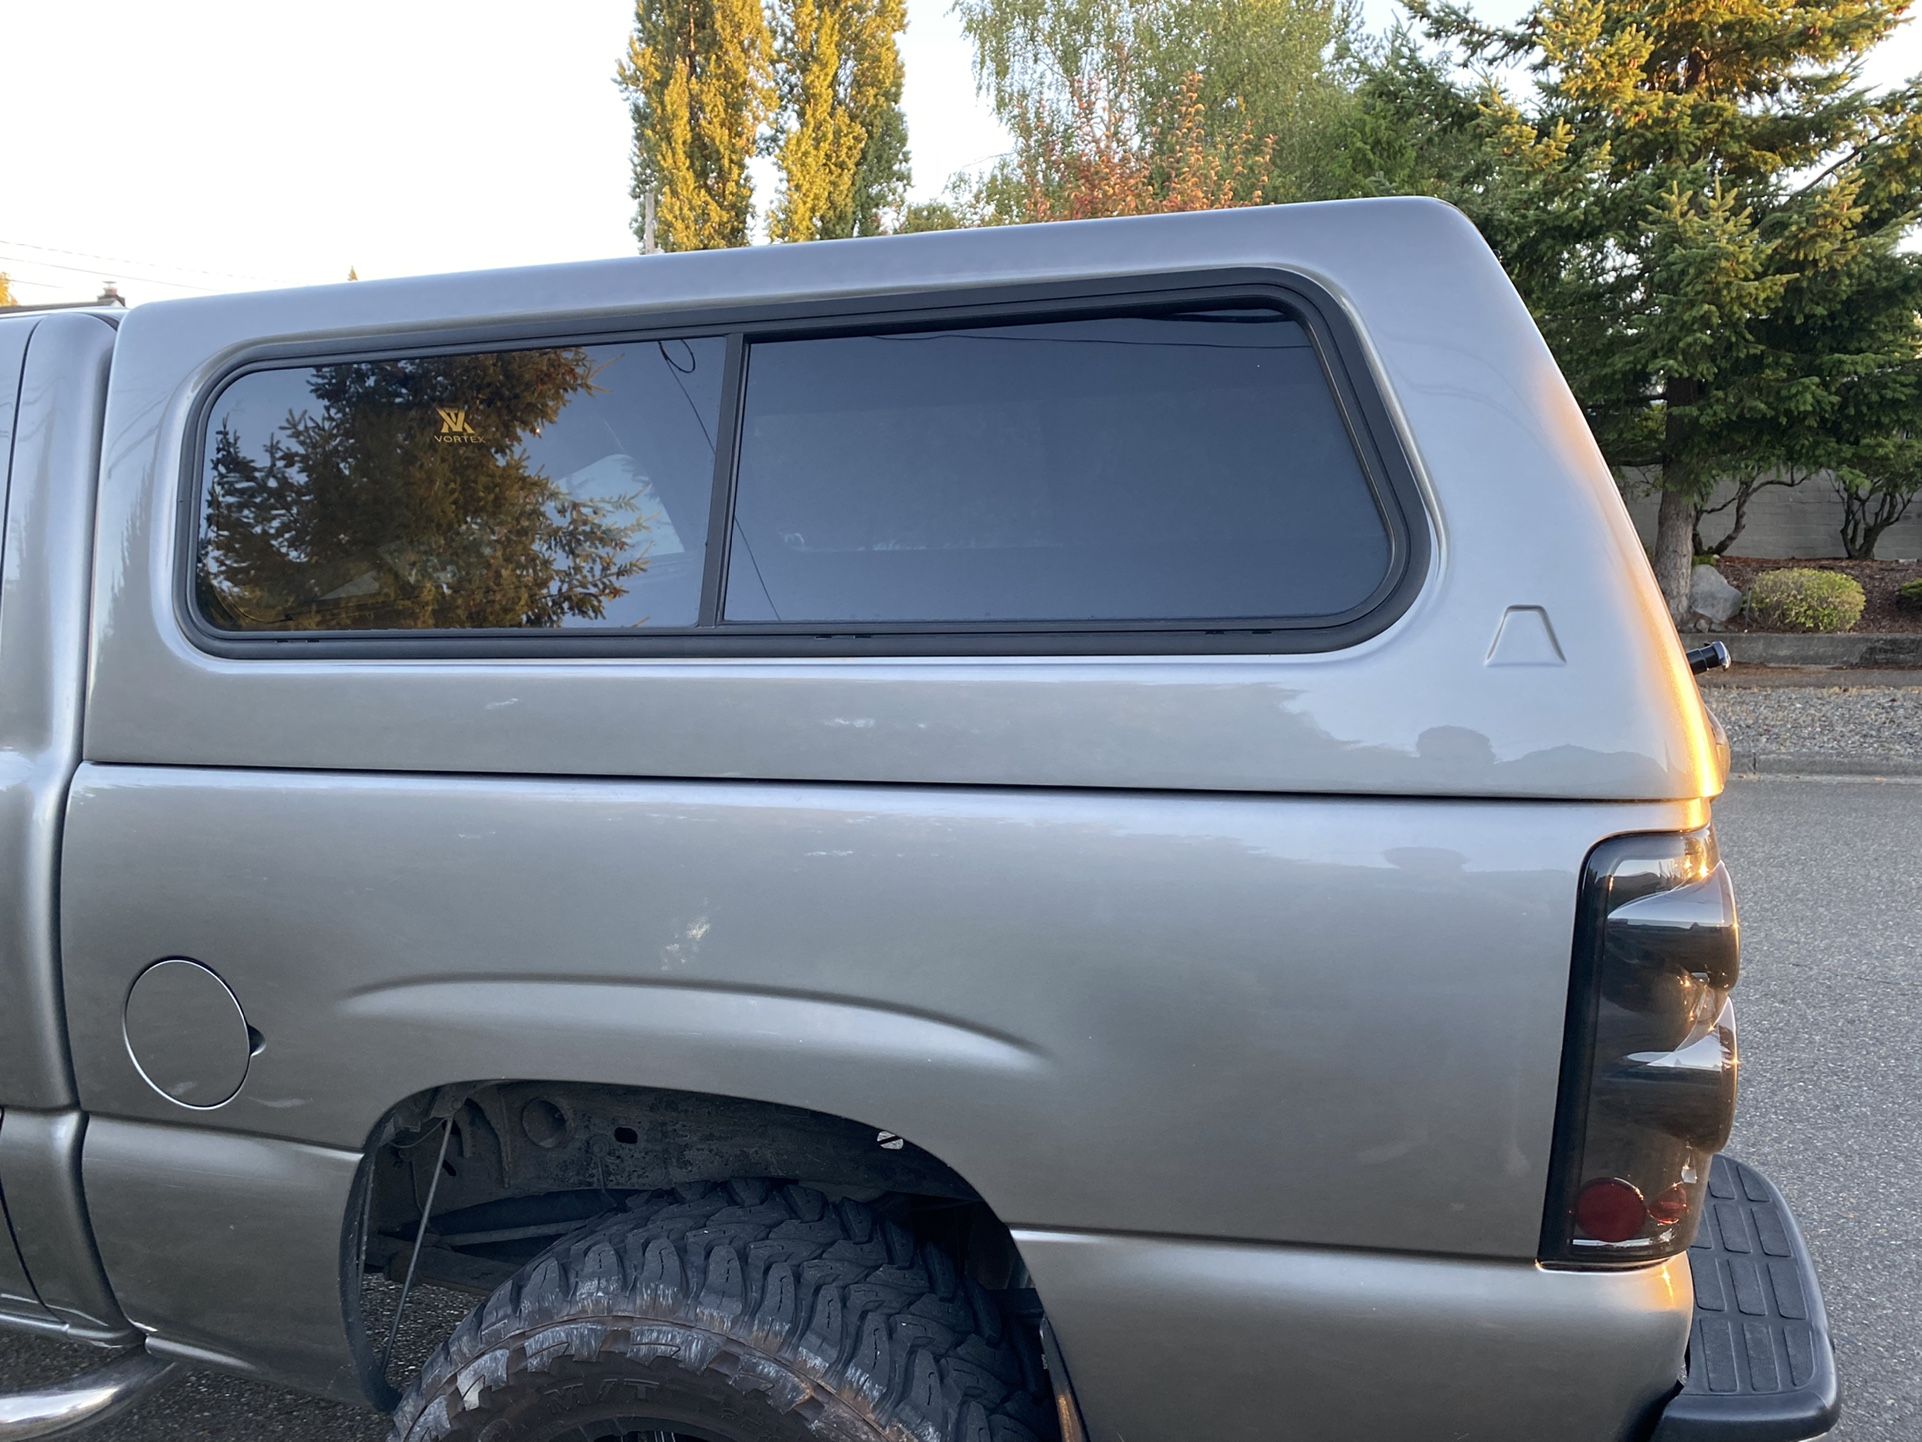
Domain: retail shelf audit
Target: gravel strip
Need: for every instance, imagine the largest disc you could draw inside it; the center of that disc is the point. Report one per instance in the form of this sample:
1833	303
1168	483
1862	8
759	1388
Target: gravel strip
1845	722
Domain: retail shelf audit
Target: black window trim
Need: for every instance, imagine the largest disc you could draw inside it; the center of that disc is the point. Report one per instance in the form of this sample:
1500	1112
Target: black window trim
1376	441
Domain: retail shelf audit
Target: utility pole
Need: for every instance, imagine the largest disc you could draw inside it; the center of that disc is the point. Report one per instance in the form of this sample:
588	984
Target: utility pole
648	247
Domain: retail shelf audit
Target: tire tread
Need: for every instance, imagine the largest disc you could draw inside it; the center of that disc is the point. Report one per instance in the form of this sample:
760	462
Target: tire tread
833	1295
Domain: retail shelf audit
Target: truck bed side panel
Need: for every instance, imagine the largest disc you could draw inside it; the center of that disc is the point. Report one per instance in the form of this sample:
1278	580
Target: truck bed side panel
1198	1038
1040	988
1172	1338
227	1249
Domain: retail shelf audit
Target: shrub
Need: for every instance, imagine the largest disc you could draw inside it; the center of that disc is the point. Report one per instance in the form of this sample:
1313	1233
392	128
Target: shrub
1909	595
1806	600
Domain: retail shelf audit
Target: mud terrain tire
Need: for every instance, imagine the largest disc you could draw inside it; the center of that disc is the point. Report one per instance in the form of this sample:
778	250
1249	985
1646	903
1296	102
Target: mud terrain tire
748	1312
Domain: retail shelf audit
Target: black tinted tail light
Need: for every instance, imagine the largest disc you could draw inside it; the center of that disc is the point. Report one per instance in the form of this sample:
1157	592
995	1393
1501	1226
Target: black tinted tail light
1648	1075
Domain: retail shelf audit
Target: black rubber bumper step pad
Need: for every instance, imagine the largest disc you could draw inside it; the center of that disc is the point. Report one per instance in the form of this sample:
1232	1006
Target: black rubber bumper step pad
1760	1368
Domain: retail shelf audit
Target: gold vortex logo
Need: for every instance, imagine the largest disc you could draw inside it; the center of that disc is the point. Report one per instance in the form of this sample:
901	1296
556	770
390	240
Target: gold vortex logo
455	428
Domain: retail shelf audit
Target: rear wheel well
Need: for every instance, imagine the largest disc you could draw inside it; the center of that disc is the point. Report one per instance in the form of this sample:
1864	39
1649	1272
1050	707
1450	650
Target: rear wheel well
499	1170
748	1311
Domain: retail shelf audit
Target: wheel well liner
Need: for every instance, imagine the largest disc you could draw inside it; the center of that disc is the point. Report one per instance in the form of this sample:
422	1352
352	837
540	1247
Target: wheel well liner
482	1175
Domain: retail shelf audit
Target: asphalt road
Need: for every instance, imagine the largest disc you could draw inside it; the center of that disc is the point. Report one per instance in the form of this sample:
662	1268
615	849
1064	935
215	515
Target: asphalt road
1829	876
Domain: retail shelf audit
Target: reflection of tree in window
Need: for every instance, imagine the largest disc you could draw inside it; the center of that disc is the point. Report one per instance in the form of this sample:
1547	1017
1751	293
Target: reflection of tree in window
407	500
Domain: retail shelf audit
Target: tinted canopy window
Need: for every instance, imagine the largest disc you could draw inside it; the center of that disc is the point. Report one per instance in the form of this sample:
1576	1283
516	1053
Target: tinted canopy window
560	487
1174	467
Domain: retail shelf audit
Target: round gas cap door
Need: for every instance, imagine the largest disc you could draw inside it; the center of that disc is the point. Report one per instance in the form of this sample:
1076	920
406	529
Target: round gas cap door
187	1034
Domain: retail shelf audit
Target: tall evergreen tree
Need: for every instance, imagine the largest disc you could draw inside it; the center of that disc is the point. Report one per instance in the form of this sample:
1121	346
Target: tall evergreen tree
700	86
1411	129
841	138
1702	204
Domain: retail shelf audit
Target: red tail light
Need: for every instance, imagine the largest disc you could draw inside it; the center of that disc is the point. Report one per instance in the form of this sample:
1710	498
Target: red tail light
1610	1210
1648	1075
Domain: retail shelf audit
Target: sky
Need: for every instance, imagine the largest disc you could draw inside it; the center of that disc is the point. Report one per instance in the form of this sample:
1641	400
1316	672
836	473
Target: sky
234	144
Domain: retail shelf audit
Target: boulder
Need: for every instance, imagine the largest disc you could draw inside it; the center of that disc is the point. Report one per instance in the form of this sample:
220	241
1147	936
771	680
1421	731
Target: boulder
1712	601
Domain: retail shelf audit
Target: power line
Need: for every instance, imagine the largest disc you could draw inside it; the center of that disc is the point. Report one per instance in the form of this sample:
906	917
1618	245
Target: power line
99	273
975	164
128	260
27	281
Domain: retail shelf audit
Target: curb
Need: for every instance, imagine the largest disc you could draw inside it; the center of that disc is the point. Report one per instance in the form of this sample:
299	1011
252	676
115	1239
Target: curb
1818	763
1851	650
1826	678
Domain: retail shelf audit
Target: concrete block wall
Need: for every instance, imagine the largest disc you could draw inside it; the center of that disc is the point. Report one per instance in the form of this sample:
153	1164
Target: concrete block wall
1792	521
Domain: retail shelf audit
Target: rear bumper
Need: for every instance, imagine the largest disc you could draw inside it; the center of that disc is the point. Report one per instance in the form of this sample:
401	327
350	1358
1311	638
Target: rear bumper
1760	1368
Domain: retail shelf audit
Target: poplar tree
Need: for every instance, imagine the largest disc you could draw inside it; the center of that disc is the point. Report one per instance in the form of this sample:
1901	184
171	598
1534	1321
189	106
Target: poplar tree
1702	204
700	86
841	139
6	293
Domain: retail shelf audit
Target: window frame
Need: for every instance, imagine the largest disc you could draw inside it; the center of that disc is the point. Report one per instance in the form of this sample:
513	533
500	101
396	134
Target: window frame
1384	464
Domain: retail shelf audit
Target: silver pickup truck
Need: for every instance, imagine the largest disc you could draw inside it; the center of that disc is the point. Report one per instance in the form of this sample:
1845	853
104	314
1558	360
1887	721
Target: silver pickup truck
1093	831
